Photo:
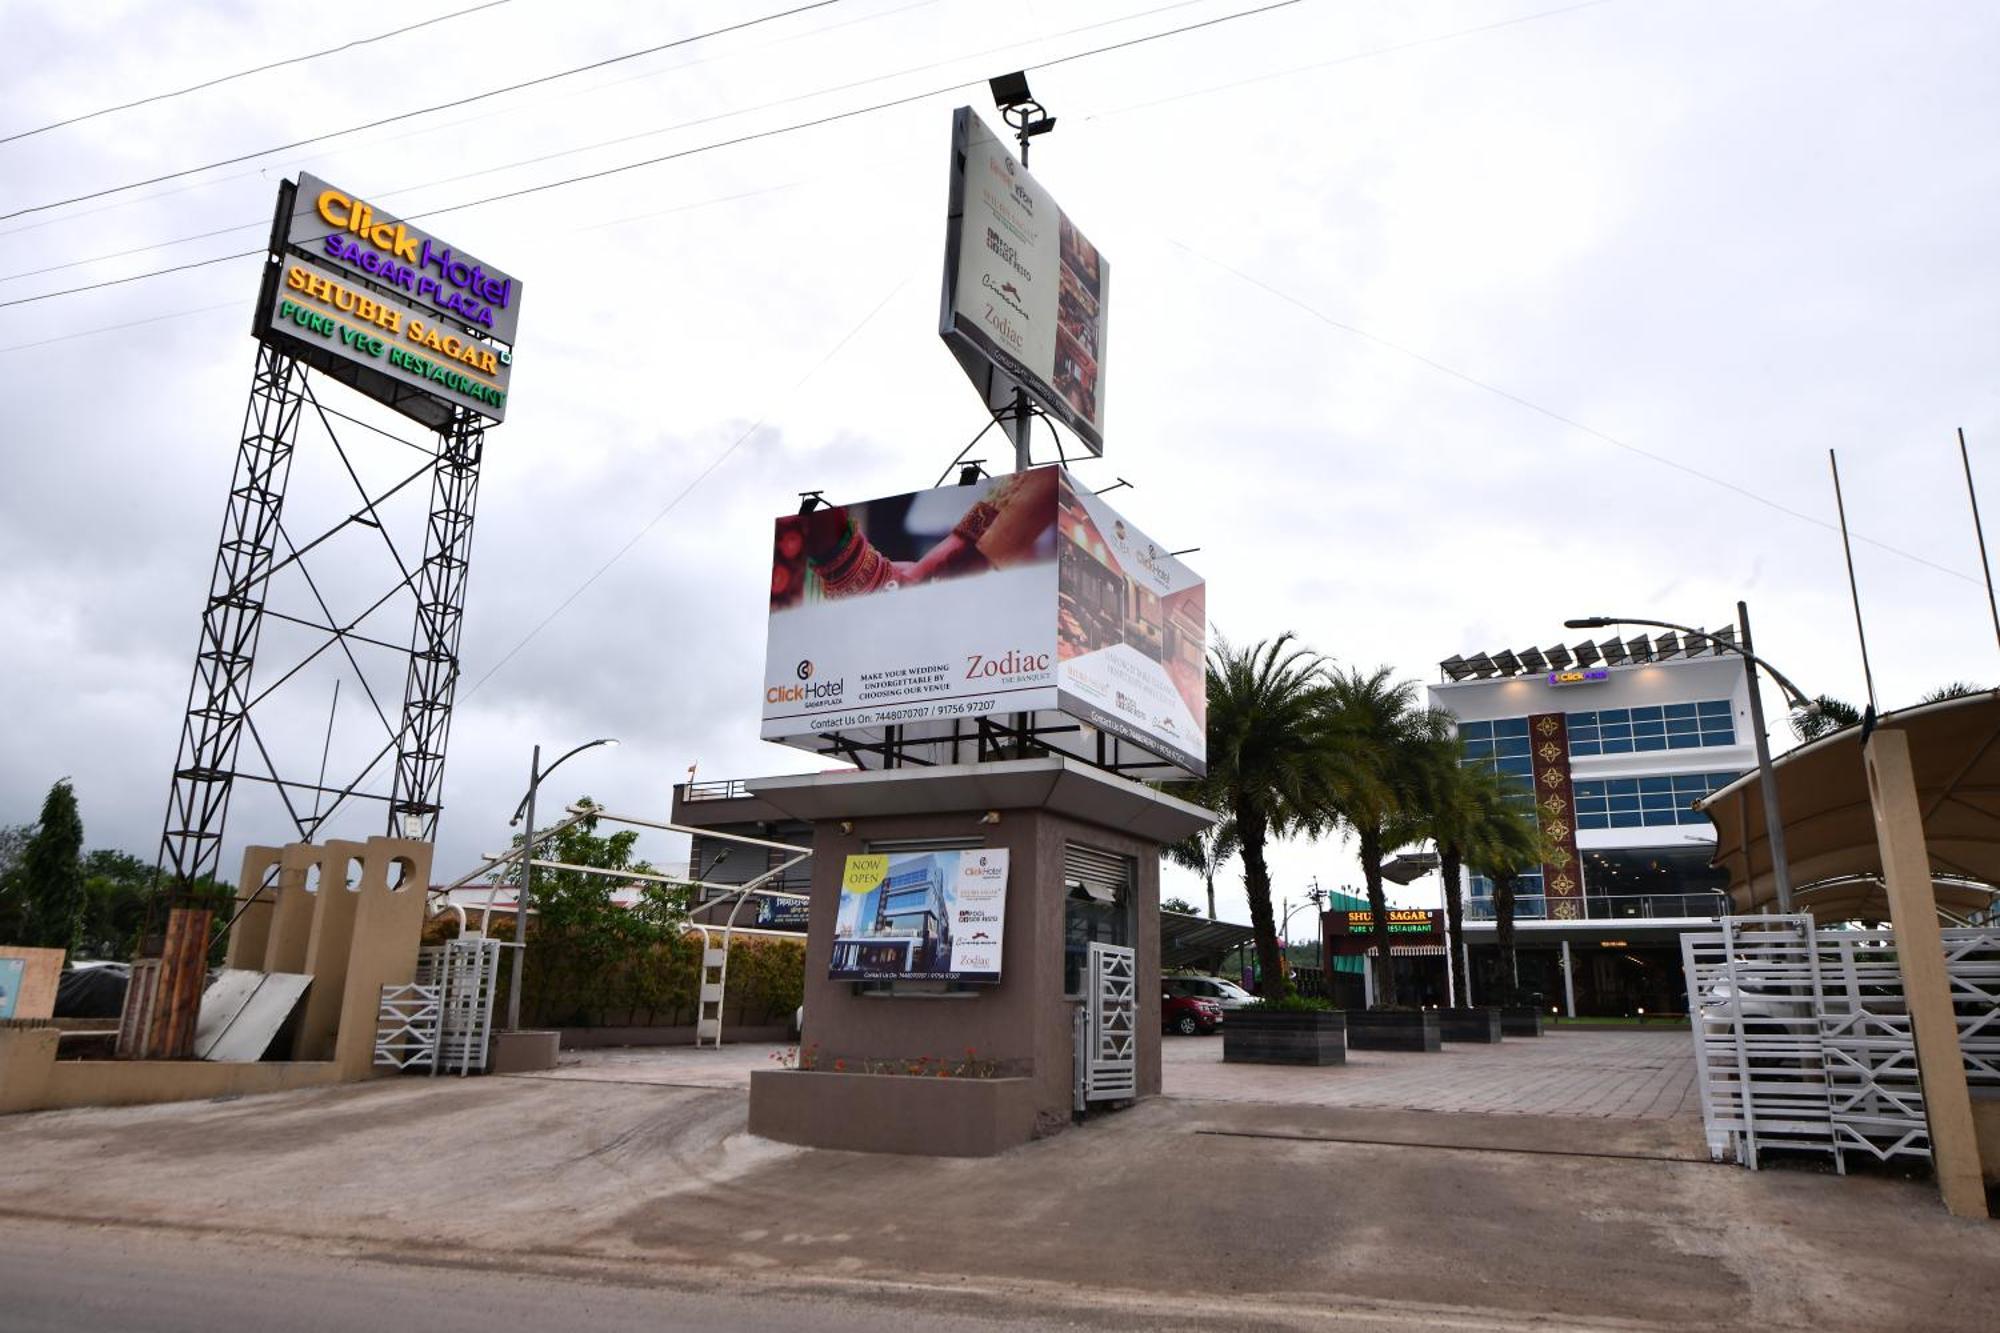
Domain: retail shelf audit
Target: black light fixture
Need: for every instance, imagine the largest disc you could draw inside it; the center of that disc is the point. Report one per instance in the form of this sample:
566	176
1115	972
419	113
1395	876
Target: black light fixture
1587	654
1613	650
1019	108
1508	664
1665	645
1639	649
1481	666
1559	657
809	501
1533	662
1455	667
968	475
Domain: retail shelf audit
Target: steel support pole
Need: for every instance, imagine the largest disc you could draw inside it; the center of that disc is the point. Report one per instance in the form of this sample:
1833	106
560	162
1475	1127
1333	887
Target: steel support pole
522	898
1774	823
1569	982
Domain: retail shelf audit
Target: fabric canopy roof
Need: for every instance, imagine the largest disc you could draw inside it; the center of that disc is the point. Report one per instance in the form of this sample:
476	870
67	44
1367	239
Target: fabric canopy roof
1830	825
1188	940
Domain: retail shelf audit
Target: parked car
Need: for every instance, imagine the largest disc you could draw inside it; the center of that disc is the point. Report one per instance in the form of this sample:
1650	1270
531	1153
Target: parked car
1225	993
1189	1015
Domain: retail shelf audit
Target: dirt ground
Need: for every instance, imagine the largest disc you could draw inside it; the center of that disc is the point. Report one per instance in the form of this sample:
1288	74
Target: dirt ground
1248	1214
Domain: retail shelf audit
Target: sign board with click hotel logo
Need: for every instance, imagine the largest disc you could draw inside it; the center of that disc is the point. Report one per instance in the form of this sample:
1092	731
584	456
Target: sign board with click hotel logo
921	916
934	611
387	308
1026	295
1588	676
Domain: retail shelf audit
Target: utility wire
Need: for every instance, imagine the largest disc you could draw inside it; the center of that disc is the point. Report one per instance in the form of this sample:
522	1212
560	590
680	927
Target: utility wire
1550	412
264	224
422	111
246	73
828	119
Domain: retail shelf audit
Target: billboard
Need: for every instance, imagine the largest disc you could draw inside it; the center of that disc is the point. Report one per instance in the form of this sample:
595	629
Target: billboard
921	916
387	308
1026	295
1017	594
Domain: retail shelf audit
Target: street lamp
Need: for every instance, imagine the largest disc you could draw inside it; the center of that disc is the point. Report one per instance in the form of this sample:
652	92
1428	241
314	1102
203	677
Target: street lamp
1781	870
527	807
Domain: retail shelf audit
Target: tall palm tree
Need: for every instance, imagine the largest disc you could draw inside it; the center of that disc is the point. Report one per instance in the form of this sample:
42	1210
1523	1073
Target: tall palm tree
1470	808
1394	753
1509	844
1206	853
1831	715
1273	756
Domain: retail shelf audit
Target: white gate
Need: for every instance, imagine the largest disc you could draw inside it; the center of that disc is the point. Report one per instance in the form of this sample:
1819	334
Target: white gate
1111	1066
441	1020
1802	1036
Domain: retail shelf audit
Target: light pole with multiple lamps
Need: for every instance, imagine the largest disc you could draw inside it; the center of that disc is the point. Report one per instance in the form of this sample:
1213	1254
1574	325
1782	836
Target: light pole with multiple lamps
1781	870
527	808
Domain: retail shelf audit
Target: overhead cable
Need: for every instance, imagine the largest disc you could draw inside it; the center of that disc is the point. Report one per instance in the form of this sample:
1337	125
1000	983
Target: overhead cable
246	73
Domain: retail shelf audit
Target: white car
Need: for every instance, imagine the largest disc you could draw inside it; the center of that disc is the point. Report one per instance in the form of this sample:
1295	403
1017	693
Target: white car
1225	993
1721	1003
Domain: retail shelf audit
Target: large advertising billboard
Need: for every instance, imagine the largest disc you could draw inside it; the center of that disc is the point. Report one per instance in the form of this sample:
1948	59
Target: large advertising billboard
1018	594
387	308
1026	295
921	916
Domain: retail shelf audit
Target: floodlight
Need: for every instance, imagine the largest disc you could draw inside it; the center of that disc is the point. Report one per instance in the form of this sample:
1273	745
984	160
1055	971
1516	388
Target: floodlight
969	474
1508	664
1533	662
1481	666
809	501
1011	90
1586	653
1614	652
1665	646
1639	649
1455	667
1559	657
1695	644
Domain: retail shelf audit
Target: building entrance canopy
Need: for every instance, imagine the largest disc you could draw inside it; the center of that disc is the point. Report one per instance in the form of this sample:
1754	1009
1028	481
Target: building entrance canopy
1830	827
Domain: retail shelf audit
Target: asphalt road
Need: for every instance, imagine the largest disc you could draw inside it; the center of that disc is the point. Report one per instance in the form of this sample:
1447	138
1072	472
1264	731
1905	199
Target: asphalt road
58	1278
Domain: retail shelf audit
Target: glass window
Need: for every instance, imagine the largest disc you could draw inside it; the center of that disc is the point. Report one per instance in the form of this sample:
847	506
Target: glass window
1718	708
1679	710
1475	731
1511	726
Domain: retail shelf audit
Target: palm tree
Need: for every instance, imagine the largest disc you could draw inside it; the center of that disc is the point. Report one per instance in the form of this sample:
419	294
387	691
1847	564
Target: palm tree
1394	755
1205	853
1273	756
1831	715
1471	808
1508	844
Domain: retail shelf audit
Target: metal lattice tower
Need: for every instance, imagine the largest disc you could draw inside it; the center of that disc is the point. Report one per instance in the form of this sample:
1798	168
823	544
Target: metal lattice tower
440	588
219	695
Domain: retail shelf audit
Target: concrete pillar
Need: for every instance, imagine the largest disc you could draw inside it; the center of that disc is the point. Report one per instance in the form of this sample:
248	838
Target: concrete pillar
328	945
251	934
1906	873
388	930
1569	983
290	930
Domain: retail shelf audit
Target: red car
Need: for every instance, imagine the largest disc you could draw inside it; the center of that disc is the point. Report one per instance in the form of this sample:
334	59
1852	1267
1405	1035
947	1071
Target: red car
1189	1014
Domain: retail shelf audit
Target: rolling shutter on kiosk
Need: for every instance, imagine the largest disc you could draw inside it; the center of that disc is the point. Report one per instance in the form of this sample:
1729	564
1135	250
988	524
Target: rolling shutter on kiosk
1097	906
1103	876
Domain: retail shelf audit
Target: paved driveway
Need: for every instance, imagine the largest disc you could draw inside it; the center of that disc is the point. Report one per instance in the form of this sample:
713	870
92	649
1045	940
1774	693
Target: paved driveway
1604	1073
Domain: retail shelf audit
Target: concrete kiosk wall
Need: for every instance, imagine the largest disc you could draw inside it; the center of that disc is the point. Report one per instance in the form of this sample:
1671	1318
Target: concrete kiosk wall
1024	1025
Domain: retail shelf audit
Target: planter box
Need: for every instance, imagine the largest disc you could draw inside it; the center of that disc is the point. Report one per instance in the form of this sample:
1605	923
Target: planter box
893	1113
1521	1020
1393	1030
1253	1035
1478	1025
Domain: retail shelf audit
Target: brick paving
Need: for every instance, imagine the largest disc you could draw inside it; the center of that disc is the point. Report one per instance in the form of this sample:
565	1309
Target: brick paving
1592	1072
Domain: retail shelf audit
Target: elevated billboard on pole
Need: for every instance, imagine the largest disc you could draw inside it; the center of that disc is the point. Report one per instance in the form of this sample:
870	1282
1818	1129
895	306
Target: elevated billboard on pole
932	612
1026	295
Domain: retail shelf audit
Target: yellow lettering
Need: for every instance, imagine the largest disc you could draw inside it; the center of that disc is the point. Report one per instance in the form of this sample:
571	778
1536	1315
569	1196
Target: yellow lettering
296	279
332	203
320	289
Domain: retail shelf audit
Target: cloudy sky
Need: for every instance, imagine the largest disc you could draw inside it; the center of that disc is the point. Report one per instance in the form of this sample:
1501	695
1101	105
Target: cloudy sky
1435	324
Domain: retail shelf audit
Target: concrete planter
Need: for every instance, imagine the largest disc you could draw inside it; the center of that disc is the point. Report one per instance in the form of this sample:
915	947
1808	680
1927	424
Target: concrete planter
893	1113
1477	1025
1393	1030
1255	1035
1524	1020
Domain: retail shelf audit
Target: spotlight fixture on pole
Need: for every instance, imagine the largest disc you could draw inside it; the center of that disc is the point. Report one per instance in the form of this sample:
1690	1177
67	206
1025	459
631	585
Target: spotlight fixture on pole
809	501
1019	109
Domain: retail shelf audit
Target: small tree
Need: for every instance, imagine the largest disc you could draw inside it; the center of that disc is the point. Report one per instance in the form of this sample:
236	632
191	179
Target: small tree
1508	844
1180	906
51	874
1466	805
1206	853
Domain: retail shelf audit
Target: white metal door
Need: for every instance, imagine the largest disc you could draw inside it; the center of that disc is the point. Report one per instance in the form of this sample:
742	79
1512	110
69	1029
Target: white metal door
1111	1070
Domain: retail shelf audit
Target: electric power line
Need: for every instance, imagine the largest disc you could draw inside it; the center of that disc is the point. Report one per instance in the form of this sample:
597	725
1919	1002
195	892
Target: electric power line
422	111
771	133
264	223
246	73
1550	412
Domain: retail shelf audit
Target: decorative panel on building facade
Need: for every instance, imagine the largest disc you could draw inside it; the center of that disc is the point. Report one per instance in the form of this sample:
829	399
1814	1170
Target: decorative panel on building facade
1555	809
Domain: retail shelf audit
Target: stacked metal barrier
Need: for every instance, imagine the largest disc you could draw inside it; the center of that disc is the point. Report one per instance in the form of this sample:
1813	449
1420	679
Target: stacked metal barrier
441	1020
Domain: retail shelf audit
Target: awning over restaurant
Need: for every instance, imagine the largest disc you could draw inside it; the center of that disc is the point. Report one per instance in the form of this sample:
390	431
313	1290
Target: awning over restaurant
1830	827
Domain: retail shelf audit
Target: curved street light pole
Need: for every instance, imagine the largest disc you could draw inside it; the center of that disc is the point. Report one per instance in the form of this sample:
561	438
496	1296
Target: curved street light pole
1774	824
527	806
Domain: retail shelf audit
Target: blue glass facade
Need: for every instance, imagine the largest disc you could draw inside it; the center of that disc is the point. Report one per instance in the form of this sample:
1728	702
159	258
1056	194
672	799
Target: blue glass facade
1646	802
1657	727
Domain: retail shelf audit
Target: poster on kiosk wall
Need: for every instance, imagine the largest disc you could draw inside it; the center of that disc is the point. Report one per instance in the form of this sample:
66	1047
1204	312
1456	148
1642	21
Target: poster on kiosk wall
921	916
1022	593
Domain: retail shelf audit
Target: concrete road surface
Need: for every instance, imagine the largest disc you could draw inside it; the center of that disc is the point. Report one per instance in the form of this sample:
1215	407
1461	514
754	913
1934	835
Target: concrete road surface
644	1201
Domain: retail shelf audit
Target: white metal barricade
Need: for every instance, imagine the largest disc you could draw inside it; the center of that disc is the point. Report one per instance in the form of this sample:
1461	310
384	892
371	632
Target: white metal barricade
441	1020
1802	1035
